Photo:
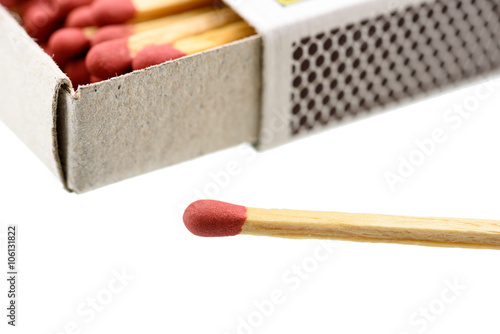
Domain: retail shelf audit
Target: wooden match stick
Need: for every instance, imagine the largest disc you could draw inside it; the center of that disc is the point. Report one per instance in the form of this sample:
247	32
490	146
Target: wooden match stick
111	58
120	11
116	31
158	54
187	27
213	218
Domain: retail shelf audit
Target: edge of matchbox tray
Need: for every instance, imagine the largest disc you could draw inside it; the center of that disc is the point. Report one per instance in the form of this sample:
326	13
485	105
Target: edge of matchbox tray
149	119
29	92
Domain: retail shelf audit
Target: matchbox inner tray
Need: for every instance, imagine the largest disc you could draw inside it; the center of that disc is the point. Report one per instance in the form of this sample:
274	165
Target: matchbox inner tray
119	128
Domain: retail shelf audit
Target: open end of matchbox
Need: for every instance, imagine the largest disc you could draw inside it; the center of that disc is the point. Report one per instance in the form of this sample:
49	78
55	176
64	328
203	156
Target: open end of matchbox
166	114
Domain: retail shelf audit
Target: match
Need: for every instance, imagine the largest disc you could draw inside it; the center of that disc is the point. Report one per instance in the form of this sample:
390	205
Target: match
209	218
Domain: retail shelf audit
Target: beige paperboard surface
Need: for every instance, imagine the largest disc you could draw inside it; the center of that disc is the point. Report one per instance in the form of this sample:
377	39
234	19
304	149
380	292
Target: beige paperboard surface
159	116
29	87
132	124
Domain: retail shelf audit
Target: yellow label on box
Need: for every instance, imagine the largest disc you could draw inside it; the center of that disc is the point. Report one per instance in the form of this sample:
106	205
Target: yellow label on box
288	2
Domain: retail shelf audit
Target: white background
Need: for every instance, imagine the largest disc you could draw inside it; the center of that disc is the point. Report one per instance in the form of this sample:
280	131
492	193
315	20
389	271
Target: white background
71	246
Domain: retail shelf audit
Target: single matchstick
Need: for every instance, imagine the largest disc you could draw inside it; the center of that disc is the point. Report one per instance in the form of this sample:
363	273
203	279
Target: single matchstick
120	11
209	218
158	54
112	58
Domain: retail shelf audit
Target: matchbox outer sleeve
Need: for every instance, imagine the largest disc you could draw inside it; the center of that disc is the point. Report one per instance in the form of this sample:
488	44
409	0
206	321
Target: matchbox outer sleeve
326	62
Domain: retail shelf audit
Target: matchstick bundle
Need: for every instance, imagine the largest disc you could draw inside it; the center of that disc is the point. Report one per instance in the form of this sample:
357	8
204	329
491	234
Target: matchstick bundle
160	53
209	218
94	40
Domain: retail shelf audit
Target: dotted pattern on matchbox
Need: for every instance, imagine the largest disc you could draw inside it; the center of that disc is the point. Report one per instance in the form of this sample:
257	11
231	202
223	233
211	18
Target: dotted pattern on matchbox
360	67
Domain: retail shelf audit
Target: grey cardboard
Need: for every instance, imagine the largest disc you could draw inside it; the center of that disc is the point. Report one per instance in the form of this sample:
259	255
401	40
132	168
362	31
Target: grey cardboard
29	87
132	124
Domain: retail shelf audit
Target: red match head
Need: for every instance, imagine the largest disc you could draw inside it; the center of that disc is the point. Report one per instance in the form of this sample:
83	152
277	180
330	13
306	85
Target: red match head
111	32
154	55
56	57
9	3
68	42
41	19
112	11
208	218
109	59
80	17
69	5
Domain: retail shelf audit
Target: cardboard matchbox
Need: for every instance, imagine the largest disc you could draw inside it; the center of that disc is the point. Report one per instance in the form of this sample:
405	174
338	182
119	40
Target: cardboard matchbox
132	124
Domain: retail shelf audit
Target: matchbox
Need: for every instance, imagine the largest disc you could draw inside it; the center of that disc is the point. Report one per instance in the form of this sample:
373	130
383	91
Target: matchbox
319	63
132	124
